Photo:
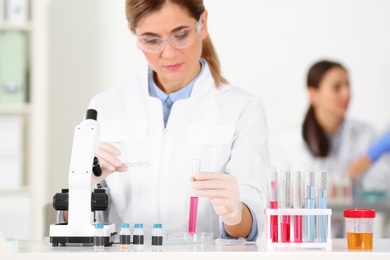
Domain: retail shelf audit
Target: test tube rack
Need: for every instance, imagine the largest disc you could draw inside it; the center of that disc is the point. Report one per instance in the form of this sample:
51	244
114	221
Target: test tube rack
296	212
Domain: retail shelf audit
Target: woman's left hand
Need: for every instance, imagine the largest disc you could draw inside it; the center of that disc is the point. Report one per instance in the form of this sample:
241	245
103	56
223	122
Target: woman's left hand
358	167
223	192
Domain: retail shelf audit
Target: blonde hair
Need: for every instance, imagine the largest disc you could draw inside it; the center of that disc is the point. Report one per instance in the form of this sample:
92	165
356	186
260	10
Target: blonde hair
138	9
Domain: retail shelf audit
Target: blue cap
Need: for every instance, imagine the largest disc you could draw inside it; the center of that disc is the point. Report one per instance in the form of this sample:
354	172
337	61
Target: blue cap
138	226
125	225
157	225
99	225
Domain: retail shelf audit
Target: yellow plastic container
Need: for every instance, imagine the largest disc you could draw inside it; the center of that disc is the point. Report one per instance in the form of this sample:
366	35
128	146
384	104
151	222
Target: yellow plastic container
359	226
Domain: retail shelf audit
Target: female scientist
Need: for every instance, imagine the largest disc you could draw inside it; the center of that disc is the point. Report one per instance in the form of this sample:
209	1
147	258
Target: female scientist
327	139
179	110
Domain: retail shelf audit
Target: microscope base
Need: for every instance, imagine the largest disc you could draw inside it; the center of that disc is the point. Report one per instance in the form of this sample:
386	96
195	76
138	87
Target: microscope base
61	234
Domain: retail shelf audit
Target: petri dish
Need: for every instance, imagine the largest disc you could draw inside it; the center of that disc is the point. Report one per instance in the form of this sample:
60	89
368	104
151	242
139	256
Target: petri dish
184	237
372	196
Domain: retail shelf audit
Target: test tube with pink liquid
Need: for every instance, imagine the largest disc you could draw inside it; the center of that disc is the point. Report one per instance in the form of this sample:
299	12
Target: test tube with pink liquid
193	202
286	202
273	204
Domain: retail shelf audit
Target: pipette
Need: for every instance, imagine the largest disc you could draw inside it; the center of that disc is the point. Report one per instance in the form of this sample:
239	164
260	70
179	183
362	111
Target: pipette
273	204
193	201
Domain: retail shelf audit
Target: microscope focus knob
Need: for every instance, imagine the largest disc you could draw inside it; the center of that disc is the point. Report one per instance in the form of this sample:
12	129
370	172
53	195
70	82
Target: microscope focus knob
61	200
99	200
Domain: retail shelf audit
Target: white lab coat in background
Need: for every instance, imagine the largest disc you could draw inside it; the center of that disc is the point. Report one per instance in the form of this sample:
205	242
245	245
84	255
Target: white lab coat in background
378	178
353	141
224	127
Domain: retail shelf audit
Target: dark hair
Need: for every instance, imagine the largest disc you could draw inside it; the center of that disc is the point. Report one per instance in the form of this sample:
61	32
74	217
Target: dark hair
138	9
312	132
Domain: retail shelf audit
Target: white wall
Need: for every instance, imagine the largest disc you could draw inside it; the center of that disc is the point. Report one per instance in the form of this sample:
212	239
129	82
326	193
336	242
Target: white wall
283	38
265	46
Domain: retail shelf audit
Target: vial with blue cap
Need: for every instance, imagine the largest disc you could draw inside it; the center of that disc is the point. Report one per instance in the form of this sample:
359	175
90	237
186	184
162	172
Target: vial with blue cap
157	235
124	236
138	235
98	240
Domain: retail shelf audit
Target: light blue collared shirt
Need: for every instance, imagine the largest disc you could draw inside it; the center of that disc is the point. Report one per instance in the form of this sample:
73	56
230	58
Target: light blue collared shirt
167	103
168	100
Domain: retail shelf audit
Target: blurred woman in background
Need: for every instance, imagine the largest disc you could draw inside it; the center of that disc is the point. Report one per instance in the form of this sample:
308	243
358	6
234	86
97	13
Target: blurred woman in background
327	139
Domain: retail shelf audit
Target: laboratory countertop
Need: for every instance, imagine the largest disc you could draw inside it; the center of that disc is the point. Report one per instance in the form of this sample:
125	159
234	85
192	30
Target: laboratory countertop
43	250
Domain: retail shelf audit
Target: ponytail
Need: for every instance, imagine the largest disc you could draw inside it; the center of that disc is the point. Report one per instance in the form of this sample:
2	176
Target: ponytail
211	57
314	135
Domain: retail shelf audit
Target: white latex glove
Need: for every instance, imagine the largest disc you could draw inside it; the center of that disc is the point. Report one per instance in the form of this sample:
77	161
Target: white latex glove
223	192
109	162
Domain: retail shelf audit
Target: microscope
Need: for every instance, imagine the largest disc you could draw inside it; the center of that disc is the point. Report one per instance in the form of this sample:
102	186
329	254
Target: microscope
80	199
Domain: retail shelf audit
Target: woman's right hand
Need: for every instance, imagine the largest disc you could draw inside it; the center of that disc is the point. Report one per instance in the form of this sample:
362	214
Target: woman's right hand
108	160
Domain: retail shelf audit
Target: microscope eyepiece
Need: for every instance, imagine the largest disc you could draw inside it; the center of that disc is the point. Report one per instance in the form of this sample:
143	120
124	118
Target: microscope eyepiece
96	169
91	114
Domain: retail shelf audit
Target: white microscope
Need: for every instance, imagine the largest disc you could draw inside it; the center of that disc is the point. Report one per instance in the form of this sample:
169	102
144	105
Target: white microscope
81	200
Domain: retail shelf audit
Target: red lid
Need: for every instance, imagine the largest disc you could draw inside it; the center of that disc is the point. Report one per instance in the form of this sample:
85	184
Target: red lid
359	213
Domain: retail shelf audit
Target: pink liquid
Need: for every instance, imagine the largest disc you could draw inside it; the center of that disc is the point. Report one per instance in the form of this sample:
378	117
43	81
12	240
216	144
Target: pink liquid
333	191
285	229
297	229
346	191
274	222
193	213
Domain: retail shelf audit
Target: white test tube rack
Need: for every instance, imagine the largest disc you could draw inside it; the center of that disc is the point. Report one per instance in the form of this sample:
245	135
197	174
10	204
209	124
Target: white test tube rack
297	212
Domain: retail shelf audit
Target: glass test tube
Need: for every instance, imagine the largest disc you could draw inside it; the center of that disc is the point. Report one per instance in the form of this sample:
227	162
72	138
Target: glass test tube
309	204
322	204
285	222
347	190
298	205
273	204
193	202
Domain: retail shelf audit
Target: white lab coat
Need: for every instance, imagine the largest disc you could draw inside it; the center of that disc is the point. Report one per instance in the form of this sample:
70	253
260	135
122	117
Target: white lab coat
354	139
378	178
224	127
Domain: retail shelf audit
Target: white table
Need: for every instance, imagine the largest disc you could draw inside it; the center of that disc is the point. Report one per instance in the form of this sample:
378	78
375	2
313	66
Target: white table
44	250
